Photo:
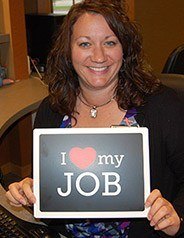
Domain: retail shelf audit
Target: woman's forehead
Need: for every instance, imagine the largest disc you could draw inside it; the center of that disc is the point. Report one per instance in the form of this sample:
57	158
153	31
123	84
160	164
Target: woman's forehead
91	24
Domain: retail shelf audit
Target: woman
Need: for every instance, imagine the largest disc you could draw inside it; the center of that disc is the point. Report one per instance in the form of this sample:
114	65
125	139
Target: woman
97	78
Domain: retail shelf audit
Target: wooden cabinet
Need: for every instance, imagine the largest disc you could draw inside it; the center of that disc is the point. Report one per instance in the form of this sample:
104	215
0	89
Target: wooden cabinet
13	52
4	48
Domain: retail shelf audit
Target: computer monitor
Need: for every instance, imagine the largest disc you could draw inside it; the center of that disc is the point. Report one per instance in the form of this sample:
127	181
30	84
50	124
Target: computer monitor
40	30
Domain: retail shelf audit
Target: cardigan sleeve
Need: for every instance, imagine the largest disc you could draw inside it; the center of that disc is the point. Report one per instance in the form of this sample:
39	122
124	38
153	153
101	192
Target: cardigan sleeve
164	117
172	129
175	153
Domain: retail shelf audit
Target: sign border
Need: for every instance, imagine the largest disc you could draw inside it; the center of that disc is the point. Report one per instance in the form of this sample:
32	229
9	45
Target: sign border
101	214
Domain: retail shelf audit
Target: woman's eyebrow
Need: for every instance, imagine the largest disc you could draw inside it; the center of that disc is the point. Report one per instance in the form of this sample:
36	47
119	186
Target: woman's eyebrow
89	38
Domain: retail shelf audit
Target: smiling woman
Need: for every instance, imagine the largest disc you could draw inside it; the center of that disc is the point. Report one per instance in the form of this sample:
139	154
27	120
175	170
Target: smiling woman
98	77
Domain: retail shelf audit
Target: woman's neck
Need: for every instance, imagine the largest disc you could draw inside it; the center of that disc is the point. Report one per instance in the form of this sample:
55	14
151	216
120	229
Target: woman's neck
97	97
105	116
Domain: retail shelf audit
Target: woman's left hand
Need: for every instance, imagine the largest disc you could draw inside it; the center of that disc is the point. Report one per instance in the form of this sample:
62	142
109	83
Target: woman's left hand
162	214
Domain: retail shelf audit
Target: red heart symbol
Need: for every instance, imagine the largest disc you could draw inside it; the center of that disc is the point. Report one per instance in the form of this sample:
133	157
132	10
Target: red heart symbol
82	158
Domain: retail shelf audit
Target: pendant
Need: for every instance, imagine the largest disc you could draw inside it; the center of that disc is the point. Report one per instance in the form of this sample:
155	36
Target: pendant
93	112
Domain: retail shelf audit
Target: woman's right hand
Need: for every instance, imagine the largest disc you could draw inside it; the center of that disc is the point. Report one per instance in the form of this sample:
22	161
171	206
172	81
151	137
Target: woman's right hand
21	193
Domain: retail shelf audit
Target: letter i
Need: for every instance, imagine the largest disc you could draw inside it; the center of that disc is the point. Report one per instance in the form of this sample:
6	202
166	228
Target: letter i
63	158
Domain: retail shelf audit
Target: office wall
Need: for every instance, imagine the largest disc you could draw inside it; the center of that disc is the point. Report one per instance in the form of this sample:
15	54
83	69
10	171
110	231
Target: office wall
38	6
162	27
30	6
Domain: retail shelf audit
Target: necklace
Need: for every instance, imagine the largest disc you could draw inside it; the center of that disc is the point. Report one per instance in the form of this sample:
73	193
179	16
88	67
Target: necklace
94	108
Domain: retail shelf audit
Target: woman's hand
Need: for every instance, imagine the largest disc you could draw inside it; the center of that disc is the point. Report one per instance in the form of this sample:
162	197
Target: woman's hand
162	214
21	193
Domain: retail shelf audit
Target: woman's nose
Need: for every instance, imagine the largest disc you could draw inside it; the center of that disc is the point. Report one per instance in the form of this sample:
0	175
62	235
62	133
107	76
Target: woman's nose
98	55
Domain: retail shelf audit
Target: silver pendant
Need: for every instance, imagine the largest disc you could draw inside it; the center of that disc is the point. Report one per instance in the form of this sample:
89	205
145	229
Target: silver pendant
93	112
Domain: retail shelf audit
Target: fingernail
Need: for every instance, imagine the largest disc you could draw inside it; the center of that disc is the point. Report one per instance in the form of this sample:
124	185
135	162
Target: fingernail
149	217
22	201
32	199
152	223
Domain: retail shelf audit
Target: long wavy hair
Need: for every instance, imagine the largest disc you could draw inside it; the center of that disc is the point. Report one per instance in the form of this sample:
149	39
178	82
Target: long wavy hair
135	81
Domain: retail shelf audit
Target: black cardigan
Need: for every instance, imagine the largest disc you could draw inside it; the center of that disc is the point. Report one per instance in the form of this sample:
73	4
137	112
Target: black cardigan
163	115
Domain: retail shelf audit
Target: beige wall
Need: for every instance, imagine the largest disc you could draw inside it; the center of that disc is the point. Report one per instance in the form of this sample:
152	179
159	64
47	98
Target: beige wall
162	28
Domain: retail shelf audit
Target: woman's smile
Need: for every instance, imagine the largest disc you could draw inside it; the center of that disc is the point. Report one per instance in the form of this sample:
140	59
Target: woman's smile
98	69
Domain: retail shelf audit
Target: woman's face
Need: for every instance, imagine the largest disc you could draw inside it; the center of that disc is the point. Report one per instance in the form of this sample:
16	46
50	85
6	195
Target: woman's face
96	52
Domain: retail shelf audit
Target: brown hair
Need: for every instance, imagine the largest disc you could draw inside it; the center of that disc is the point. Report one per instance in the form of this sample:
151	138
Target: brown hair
135	78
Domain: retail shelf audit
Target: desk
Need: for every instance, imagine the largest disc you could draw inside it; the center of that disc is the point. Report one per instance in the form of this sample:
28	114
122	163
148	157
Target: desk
18	99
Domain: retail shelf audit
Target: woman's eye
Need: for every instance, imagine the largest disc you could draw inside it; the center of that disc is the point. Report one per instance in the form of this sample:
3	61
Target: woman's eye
110	43
84	44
